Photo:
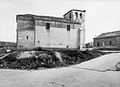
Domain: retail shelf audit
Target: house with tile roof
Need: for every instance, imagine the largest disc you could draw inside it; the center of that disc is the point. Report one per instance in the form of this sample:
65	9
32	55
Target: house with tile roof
108	40
51	32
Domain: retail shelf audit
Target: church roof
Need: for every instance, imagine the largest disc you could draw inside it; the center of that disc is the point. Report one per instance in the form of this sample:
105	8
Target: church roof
109	34
74	10
45	18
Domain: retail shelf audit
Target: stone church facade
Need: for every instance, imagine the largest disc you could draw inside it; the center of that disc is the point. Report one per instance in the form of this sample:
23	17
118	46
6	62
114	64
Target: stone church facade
52	32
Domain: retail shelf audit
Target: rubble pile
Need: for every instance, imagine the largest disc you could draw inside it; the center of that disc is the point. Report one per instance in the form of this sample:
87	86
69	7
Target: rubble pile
74	57
45	58
36	60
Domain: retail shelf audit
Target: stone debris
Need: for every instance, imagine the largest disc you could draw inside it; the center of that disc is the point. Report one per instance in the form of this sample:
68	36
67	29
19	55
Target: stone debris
45	58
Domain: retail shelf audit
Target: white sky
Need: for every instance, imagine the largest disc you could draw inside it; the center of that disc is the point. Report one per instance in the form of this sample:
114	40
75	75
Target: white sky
101	15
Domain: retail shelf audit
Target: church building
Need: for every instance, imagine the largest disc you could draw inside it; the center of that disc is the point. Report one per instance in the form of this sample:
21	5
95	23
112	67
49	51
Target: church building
51	32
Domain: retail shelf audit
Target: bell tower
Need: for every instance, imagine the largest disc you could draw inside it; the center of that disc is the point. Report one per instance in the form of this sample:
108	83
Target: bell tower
78	16
75	15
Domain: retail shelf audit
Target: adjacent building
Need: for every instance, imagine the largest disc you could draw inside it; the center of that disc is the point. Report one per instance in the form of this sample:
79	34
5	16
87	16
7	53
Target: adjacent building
89	45
108	40
52	32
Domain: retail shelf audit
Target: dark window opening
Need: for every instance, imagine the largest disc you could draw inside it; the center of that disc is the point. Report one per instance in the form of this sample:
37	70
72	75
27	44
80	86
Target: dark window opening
38	42
98	44
80	15
68	27
70	15
76	14
67	46
47	25
110	43
27	37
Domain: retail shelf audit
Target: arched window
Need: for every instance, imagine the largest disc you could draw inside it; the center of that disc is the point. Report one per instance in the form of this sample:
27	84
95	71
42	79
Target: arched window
76	14
80	15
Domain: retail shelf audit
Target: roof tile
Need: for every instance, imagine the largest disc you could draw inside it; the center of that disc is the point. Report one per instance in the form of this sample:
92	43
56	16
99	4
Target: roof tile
109	34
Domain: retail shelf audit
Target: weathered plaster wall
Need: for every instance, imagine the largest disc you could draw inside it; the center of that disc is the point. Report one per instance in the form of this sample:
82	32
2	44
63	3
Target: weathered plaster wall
82	34
55	37
69	16
58	36
26	39
32	32
105	42
56	24
118	42
81	20
22	24
25	34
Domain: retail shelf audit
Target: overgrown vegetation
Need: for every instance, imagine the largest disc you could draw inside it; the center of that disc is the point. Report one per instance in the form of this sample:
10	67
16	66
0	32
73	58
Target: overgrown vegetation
46	58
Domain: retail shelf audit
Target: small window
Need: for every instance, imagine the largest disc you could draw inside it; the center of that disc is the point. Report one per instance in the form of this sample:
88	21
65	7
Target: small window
38	42
80	15
110	43
76	14
27	37
98	44
68	27
47	25
70	16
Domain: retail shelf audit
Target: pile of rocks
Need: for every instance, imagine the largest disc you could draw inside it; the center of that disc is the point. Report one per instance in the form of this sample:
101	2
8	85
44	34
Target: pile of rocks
45	58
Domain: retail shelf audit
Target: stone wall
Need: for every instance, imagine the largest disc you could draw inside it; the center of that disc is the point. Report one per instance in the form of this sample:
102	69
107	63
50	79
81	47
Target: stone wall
25	39
22	25
25	34
69	16
80	17
55	24
56	37
32	32
109	42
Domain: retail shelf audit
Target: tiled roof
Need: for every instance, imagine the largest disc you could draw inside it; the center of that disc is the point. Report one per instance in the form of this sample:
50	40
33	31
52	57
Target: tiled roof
47	18
109	34
74	10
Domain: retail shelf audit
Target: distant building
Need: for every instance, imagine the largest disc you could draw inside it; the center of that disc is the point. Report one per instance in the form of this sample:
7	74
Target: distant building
108	40
51	32
7	44
89	45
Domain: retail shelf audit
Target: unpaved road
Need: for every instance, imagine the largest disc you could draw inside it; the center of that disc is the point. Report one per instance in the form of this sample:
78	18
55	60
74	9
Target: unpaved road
87	74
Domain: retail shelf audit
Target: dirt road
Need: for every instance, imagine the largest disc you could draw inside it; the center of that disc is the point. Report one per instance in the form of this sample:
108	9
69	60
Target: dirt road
87	74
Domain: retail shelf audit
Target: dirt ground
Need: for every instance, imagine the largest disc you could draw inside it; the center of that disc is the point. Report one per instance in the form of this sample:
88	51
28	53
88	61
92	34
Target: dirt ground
92	73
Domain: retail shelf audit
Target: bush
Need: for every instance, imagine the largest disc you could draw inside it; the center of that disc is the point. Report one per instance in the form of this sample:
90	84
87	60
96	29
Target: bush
47	59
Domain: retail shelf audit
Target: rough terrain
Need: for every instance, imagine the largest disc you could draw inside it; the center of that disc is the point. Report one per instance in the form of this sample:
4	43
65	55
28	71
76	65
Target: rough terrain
35	59
92	73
